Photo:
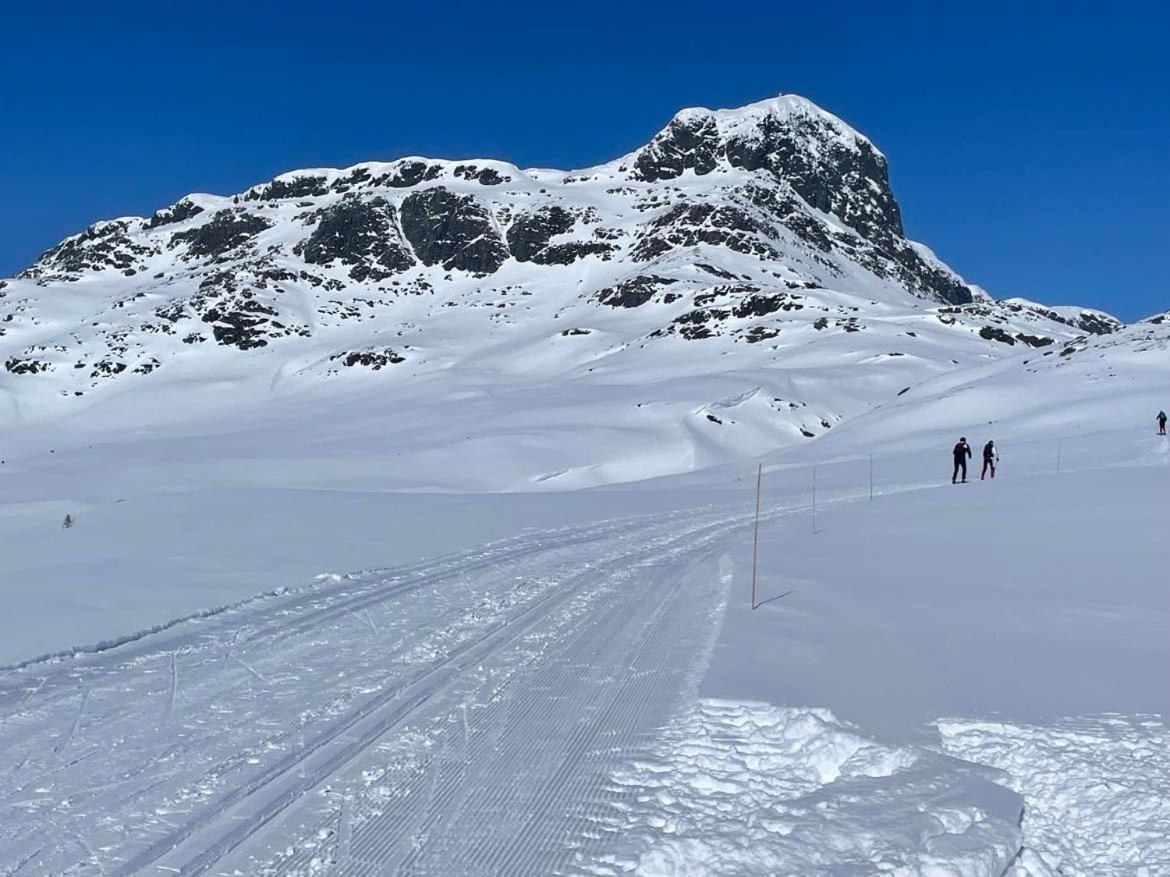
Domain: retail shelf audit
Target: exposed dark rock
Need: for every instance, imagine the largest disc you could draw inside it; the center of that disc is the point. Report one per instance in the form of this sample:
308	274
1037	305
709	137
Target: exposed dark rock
566	254
225	231
18	366
180	212
689	223
1085	321
146	368
687	143
303	186
485	176
847	178
994	333
101	246
529	234
758	305
453	230
227	300
696	324
1034	340
792	215
634	292
718	272
756	334
407	174
363	234
371	359
107	368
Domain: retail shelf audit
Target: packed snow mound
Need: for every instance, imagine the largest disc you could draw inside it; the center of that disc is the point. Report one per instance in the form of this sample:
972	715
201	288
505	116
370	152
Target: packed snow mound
1097	790
761	238
750	788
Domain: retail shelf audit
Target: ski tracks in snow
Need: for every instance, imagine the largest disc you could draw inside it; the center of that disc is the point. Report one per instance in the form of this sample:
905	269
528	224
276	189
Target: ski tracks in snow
459	717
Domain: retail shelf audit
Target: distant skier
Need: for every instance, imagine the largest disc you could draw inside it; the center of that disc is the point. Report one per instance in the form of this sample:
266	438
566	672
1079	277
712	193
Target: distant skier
1161	423
962	453
990	458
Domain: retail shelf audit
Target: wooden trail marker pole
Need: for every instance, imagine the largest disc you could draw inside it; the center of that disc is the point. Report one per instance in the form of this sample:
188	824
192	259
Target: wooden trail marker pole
814	503
756	535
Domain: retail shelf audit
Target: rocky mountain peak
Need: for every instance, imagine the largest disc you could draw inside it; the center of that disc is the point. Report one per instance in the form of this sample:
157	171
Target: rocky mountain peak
830	165
770	226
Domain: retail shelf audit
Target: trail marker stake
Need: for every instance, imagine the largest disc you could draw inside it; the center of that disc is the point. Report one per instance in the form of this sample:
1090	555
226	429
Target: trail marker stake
756	535
814	499
871	477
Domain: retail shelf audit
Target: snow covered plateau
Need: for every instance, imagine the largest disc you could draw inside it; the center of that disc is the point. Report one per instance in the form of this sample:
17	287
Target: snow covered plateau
411	519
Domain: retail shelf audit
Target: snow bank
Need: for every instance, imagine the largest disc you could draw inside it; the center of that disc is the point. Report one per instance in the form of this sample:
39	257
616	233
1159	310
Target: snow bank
751	788
1097	790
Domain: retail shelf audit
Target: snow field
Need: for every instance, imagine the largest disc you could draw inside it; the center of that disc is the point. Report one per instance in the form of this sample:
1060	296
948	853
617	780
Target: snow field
596	696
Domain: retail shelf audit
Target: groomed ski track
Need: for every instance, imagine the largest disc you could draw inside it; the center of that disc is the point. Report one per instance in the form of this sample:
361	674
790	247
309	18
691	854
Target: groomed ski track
457	717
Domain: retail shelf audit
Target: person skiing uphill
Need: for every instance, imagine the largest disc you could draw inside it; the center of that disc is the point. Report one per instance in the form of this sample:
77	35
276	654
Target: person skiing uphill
990	458
1161	423
962	453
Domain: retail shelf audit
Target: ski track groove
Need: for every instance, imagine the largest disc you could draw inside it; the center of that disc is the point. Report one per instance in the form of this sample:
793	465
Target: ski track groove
563	603
492	641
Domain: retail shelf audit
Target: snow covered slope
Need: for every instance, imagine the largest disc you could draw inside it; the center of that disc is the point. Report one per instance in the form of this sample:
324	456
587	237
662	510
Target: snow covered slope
1090	385
740	283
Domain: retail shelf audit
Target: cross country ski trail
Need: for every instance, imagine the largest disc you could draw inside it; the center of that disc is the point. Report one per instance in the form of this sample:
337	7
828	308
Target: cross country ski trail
456	717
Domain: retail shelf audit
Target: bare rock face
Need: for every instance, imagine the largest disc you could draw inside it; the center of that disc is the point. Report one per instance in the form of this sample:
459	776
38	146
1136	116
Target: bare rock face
227	230
530	238
182	211
690	142
362	234
455	231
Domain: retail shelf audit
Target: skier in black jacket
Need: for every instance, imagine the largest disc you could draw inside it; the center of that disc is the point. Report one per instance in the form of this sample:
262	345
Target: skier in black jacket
1161	423
962	453
990	458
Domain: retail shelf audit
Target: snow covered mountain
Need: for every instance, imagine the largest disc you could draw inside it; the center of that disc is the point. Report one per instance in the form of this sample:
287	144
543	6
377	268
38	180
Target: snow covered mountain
327	601
760	247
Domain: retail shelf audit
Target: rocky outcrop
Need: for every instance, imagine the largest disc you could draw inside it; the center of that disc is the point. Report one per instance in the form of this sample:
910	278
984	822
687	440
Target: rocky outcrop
362	234
702	222
634	292
690	142
180	212
530	235
455	231
101	247
227	230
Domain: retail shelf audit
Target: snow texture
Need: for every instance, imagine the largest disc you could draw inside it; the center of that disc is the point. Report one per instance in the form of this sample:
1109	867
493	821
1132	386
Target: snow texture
749	788
1097	790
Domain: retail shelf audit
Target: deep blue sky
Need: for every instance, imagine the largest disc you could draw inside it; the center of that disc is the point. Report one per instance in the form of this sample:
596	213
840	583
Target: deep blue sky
1029	144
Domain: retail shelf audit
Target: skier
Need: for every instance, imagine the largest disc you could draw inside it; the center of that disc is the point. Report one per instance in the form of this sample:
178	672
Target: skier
1161	423
961	453
990	458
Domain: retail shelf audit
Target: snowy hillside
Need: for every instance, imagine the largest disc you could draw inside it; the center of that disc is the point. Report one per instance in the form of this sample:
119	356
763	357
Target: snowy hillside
760	248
